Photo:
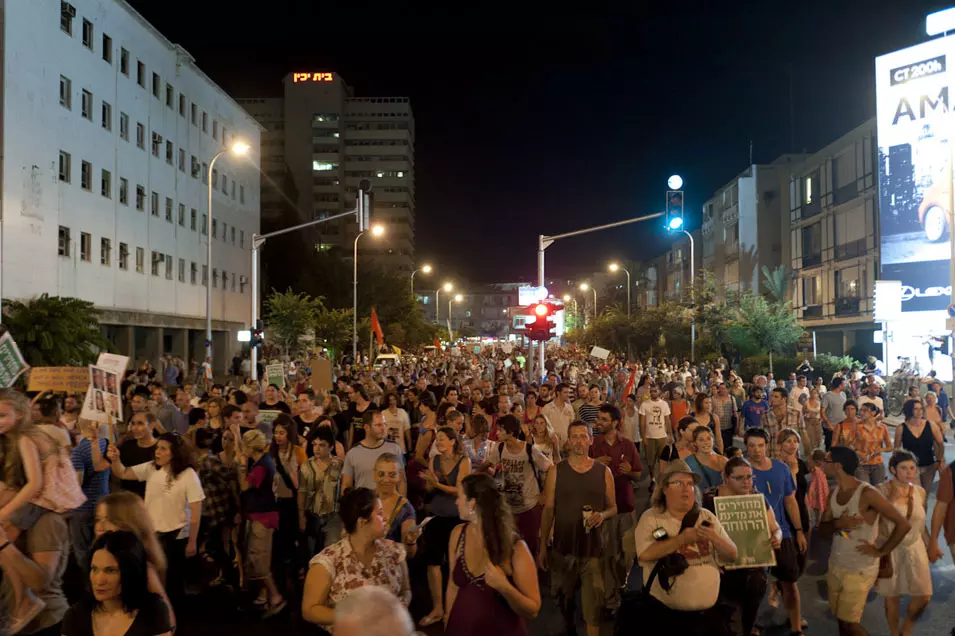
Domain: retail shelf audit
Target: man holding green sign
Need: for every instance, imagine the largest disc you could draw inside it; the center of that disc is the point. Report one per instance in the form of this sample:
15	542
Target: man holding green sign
751	524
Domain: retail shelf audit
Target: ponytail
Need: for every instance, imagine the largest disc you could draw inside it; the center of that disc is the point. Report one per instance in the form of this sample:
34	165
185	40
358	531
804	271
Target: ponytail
497	522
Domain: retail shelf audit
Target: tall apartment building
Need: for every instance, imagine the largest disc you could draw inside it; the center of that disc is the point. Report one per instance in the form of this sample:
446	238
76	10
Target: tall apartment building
325	141
833	233
742	226
108	129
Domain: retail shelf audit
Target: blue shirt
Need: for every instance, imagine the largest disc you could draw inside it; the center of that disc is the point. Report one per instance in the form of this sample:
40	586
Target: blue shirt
775	485
95	484
753	412
943	404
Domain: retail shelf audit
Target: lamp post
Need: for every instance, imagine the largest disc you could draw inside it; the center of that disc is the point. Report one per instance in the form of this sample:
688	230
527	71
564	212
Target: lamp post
457	298
376	230
437	295
426	269
676	225
239	149
613	267
585	287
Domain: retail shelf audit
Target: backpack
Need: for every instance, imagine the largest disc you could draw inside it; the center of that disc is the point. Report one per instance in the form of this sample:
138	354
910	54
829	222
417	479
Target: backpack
61	490
528	446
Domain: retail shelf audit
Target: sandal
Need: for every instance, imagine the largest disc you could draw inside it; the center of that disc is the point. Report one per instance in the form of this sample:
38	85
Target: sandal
275	609
429	620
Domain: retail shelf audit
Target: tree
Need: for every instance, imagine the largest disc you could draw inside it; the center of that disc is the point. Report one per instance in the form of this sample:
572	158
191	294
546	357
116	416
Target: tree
776	282
289	316
55	331
763	326
333	329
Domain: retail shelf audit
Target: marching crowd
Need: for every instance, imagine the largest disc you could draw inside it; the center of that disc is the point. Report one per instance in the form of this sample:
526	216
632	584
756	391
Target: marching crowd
464	469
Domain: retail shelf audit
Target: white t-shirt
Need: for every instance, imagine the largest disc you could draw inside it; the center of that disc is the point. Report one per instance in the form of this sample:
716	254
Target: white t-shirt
698	587
631	426
794	396
865	399
520	486
396	425
559	419
168	504
657	412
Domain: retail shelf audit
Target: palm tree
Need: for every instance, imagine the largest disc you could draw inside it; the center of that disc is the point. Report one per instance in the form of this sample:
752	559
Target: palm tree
776	282
55	331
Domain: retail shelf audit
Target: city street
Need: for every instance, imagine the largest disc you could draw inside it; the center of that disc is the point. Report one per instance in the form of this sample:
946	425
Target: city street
912	247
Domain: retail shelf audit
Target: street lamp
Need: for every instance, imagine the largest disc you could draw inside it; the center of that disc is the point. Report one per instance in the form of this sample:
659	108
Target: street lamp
424	268
457	298
437	295
376	231
585	287
239	149
616	267
676	225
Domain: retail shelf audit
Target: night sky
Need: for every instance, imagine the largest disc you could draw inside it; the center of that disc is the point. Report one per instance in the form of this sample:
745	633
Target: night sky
544	122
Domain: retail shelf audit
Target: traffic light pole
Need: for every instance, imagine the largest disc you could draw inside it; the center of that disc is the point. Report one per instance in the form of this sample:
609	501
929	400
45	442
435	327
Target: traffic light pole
257	241
543	242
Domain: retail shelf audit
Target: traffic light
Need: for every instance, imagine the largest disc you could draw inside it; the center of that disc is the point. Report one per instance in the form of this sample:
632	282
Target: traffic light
542	327
258	335
674	216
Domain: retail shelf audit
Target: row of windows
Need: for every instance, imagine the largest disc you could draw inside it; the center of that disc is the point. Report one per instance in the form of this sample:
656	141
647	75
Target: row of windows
68	14
376	142
106	190
381	174
197	169
365	125
161	264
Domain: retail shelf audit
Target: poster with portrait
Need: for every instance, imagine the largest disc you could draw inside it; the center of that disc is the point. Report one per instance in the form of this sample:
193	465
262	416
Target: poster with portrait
103	397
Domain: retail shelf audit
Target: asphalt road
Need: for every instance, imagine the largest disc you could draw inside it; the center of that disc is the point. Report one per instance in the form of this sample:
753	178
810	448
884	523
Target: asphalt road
214	613
912	247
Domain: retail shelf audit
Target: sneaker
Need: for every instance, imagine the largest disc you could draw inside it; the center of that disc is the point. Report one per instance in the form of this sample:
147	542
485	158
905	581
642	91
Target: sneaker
274	609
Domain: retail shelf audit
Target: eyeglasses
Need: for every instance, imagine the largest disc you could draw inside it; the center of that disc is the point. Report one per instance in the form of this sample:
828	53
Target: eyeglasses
682	484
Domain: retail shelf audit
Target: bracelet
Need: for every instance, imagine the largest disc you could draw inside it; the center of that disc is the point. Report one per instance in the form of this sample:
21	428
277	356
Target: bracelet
4	546
798	529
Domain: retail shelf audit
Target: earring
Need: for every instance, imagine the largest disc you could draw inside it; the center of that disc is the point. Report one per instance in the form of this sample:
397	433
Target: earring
472	514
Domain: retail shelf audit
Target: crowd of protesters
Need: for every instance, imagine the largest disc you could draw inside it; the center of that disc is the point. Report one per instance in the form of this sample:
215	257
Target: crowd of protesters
458	466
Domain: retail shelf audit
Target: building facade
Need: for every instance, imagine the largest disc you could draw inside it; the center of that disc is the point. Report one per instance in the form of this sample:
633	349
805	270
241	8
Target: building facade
326	141
108	131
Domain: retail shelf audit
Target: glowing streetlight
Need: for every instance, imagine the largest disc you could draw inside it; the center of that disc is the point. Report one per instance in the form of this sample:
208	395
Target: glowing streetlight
675	182
424	268
585	287
437	307
377	230
615	267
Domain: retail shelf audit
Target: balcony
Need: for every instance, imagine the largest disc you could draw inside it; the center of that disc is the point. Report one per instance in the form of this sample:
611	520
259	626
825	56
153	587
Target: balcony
811	260
852	249
845	193
847	306
812	311
811	209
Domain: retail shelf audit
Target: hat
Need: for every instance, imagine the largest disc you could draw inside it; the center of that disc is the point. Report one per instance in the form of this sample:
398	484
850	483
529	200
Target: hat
679	466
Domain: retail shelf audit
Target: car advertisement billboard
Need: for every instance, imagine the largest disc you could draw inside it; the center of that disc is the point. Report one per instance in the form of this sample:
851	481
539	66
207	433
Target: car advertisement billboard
912	116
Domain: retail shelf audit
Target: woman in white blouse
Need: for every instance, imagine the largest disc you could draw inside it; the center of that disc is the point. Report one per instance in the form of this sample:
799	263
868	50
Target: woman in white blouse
173	500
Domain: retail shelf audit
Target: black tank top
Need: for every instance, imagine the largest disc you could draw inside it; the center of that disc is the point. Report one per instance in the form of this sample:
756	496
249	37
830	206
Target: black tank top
922	446
574	491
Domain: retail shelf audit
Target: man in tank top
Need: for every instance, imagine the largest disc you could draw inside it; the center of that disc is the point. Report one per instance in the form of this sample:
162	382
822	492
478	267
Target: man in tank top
578	497
852	515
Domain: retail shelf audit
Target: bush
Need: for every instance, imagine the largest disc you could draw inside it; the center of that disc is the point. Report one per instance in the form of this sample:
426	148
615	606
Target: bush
759	365
826	364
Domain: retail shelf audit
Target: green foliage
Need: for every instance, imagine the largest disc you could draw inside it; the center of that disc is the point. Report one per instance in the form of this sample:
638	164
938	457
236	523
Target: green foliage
289	316
759	365
55	331
763	326
827	364
776	282
333	329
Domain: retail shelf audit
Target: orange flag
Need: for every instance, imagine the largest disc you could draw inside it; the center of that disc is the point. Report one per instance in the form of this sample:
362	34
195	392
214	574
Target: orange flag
631	384
376	328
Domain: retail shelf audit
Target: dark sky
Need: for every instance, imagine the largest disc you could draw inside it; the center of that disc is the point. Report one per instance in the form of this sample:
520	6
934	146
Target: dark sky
539	121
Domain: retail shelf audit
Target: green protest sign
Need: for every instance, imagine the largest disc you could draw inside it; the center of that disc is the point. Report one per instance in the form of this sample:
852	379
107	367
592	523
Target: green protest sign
12	363
275	374
745	520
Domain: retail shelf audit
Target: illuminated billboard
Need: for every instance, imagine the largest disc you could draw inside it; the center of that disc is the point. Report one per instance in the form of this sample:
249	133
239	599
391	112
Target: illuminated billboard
915	219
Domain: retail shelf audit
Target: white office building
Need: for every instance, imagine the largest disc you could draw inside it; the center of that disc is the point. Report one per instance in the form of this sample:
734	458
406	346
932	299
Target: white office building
108	129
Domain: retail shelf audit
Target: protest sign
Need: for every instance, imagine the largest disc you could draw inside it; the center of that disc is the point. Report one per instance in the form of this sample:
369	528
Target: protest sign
275	374
745	521
12	363
268	416
600	352
69	379
321	375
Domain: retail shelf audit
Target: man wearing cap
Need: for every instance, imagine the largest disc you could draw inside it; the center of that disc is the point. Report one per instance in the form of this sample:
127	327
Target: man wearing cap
852	516
675	524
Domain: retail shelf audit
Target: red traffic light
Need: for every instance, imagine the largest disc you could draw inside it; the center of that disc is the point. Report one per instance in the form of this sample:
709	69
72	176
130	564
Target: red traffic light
541	310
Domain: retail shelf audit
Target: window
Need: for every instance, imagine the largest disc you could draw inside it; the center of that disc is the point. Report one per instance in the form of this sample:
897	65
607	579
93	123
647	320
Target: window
193	273
225	231
105	251
192	219
205	275
67	13
323	166
215	228
811	291
157	143
154	204
86	246
140	136
66	167
87	105
66	92
124	62
86	175
63	242
233	281
106	184
225	279
168	266
225	190
233	235
170	151
182	270
215	129
194	110
123	191
182	160
241	194
156	84
182	215
215	178
242	239
205	121
812	245
170	95
215	277
107	49
140	260
233	189
156	259
223	135
141	74
107	116
123	256
807	190
140	198
205	173
182	105
194	168
124	126
205	223
88	34
168	210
